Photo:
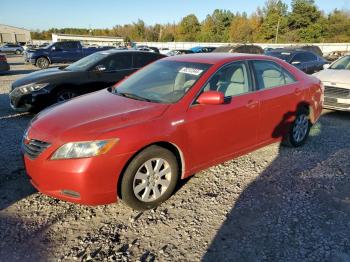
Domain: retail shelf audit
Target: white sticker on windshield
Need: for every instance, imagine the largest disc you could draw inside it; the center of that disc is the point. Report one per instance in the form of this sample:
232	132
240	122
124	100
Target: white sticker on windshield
191	71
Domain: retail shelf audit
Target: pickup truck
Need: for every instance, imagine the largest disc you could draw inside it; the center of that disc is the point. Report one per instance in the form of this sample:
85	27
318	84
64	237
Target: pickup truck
58	52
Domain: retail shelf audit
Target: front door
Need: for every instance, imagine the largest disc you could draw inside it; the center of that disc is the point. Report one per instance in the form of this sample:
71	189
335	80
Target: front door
218	131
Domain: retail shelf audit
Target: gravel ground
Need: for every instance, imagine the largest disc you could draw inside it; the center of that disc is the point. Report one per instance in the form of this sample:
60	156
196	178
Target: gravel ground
275	204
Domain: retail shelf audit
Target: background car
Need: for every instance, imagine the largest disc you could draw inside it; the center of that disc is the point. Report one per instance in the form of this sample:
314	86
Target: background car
167	122
335	55
179	52
246	49
202	49
58	52
12	48
99	70
336	81
164	50
4	66
306	61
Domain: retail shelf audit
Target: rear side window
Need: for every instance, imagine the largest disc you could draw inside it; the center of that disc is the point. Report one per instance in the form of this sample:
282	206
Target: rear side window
304	57
117	62
269	74
142	59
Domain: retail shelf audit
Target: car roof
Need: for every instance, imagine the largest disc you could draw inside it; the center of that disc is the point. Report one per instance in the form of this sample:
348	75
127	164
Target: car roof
214	58
290	50
116	51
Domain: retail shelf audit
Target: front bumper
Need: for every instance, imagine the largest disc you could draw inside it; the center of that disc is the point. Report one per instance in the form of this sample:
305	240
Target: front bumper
25	102
337	97
88	181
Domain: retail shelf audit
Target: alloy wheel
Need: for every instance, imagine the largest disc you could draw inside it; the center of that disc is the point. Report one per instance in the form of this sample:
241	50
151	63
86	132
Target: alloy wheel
300	127
152	179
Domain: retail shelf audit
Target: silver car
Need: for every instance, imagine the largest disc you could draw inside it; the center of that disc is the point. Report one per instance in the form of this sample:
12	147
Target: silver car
12	48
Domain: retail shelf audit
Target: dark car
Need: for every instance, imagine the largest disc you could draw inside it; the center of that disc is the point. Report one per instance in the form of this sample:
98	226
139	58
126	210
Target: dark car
4	66
59	52
97	71
202	49
244	49
307	61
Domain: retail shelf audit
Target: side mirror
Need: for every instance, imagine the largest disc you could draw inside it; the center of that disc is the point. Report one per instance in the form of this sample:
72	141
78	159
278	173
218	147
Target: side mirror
326	66
53	48
100	68
211	98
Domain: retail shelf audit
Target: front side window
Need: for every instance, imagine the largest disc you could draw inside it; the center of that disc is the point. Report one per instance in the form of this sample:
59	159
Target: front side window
269	74
117	62
162	81
232	80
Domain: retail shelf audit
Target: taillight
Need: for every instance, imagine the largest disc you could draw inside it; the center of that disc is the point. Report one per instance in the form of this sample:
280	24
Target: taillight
3	58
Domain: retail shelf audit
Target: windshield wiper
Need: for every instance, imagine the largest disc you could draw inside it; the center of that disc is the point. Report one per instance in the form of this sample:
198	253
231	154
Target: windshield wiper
133	96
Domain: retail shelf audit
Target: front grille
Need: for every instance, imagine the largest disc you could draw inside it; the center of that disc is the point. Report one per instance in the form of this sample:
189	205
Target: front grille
334	103
336	92
34	148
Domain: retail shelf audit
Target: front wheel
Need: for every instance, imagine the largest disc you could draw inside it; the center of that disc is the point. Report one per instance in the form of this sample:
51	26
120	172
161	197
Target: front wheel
299	130
42	62
150	178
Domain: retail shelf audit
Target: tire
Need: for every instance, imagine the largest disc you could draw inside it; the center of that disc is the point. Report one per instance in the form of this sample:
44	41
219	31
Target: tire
42	62
139	186
18	52
64	95
299	130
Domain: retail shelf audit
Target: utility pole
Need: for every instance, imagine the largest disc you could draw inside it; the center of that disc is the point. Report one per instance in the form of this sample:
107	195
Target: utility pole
277	29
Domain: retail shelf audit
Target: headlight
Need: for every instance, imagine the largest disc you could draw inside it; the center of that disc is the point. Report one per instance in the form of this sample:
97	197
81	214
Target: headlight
84	149
31	87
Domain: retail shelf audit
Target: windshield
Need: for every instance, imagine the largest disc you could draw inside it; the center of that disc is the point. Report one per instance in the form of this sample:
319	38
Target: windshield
162	81
286	56
87	62
342	63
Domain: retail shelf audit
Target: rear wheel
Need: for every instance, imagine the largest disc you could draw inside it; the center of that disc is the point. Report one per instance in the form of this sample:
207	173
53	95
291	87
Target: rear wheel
42	62
150	178
299	130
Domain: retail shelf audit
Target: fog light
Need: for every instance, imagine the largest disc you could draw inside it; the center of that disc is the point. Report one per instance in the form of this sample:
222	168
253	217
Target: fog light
70	193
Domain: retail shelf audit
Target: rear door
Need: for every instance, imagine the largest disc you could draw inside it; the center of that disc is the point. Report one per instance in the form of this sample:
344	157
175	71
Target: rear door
278	91
219	131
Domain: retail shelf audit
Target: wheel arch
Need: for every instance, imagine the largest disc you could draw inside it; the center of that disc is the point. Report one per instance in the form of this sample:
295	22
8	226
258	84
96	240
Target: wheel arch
309	109
165	144
48	58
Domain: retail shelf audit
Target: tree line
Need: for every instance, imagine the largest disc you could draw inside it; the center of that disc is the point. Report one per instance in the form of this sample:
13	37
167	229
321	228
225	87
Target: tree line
274	22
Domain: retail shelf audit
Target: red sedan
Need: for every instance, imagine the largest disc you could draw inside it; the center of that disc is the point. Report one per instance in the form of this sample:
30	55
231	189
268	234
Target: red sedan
167	121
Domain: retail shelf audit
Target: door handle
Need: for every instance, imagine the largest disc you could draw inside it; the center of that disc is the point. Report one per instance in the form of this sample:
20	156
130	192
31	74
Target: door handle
252	103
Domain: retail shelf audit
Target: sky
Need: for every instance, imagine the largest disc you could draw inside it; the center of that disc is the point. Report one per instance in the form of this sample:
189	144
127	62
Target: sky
45	14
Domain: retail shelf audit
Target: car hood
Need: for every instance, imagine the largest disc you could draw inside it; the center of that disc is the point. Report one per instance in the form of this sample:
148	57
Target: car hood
90	116
41	76
332	75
